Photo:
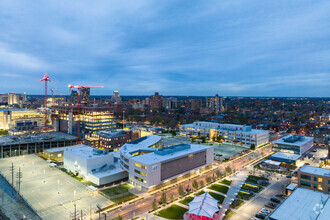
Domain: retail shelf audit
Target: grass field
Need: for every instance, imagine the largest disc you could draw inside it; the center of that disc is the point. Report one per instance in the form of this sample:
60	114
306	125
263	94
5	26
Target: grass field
119	194
236	203
244	196
187	200
219	188
199	193
173	212
226	182
218	197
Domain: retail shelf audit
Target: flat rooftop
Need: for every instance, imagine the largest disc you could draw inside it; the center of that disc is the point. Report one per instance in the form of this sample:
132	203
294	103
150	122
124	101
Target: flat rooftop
284	157
303	204
32	138
291	140
154	157
86	152
16	109
57	149
315	170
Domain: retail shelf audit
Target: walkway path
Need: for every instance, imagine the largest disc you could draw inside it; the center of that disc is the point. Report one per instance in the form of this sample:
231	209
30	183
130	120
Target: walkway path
233	190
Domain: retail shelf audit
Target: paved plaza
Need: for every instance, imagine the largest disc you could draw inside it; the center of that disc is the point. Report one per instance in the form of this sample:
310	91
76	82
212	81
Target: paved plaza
50	191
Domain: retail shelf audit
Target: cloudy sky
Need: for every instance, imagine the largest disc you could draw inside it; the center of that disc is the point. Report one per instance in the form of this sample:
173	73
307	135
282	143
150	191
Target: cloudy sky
201	47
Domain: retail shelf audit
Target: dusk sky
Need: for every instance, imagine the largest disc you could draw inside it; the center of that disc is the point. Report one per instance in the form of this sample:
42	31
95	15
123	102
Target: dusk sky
233	48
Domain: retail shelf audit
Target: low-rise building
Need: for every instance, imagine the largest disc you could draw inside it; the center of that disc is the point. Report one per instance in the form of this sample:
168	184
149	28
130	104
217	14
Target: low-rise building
33	143
111	140
242	134
148	165
21	119
314	178
95	165
293	144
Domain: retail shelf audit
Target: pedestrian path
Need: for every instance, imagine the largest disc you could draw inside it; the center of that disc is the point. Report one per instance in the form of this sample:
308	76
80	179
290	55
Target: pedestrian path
233	190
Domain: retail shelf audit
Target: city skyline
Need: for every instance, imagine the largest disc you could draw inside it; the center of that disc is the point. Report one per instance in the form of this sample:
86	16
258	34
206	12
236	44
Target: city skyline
230	48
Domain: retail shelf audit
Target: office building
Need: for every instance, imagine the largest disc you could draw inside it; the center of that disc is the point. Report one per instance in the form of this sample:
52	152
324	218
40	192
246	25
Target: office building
13	98
293	144
97	166
111	140
116	99
156	101
303	204
314	178
20	119
33	143
92	119
148	165
170	103
240	134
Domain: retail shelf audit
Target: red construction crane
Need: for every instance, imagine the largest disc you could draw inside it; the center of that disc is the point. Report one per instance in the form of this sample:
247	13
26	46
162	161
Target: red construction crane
79	87
46	79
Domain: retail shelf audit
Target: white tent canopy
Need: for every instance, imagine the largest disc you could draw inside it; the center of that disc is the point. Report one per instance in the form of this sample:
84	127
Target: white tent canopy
203	205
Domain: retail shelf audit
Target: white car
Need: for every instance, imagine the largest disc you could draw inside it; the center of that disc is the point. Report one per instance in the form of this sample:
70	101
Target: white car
265	211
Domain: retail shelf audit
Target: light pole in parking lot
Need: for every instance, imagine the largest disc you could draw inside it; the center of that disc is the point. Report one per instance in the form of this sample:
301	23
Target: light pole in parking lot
58	186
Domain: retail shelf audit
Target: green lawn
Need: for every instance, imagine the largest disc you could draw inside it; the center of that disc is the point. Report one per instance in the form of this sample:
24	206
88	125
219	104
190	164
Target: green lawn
244	196
187	200
254	179
199	193
119	194
173	212
219	188
226	182
3	132
252	189
236	203
218	197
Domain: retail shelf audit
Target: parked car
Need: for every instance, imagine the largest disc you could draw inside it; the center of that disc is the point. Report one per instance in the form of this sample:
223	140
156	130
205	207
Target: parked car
275	200
261	216
307	164
271	205
265	211
289	176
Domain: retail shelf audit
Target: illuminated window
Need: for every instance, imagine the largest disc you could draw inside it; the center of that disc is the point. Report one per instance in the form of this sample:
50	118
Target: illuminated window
319	180
139	165
319	187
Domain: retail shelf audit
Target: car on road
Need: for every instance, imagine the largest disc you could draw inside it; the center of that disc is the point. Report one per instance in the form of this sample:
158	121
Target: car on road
261	216
307	164
314	150
275	200
289	176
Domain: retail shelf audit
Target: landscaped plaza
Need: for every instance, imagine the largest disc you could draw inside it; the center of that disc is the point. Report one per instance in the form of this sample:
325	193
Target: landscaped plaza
51	192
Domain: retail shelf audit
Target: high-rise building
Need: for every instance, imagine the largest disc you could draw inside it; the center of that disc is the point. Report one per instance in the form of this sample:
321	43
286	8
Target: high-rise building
215	104
170	103
156	101
196	105
85	95
73	97
115	97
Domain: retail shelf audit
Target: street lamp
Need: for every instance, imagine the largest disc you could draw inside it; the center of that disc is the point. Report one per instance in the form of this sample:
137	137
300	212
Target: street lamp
58	186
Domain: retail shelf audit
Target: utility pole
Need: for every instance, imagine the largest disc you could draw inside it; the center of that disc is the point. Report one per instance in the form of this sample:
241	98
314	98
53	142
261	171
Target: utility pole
19	176
12	170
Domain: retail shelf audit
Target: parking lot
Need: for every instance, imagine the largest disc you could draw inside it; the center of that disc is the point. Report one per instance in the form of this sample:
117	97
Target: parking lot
50	191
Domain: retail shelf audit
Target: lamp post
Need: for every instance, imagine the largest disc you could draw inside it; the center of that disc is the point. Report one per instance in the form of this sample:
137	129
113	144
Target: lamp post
58	186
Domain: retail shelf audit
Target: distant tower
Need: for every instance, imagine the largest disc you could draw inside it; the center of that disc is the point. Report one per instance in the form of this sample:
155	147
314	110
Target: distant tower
85	95
115	97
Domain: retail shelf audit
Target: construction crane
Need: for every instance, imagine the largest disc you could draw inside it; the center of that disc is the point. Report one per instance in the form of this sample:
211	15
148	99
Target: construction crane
46	79
79	87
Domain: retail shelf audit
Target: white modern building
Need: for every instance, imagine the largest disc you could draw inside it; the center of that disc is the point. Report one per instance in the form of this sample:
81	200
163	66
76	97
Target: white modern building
293	144
242	134
303	204
97	166
149	166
